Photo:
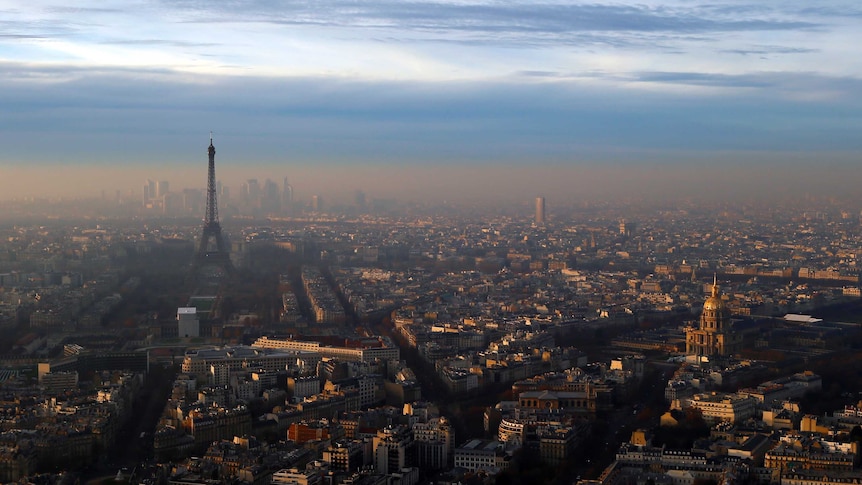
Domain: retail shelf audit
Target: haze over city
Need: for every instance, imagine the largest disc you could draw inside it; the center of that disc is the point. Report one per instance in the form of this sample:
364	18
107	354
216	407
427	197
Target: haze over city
432	100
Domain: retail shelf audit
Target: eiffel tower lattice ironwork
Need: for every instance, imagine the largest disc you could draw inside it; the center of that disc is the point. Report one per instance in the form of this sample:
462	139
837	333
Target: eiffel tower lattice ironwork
212	250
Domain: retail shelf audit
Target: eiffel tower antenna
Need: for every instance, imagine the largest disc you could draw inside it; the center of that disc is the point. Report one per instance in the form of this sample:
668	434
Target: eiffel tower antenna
212	249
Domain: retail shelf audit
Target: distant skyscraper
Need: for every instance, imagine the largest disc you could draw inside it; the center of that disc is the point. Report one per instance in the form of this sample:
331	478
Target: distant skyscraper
192	200
271	199
223	193
250	191
286	194
359	199
316	203
162	189
540	210
149	191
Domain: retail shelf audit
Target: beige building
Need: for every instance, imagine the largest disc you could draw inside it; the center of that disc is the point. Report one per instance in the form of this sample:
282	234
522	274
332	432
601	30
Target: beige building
716	407
809	477
575	402
383	349
804	451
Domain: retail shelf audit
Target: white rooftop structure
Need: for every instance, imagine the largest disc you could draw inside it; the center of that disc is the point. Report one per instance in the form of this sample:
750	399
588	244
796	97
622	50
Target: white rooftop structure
799	318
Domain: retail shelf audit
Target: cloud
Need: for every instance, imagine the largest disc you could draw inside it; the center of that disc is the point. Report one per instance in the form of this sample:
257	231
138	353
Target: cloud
788	86
343	80
517	17
21	36
762	50
707	79
541	74
34	29
160	42
551	22
423	40
844	10
133	115
81	10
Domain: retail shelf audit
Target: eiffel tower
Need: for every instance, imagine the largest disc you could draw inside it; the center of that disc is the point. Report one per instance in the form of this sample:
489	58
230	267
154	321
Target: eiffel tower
212	253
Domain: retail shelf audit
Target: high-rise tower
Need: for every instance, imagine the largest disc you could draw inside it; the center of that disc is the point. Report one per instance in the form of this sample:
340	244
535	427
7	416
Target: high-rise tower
212	250
540	210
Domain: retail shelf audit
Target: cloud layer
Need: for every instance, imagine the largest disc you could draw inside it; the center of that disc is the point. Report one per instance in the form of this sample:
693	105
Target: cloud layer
433	39
349	81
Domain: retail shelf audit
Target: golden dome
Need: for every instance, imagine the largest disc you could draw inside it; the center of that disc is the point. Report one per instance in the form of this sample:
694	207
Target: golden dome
714	302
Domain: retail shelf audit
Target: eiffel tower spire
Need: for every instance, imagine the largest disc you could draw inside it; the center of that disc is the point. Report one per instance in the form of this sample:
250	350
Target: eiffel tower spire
212	250
211	217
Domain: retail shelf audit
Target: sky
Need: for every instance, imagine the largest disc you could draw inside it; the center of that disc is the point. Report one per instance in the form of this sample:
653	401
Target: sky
546	96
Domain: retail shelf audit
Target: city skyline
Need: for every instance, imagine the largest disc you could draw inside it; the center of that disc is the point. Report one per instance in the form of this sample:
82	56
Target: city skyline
335	89
490	185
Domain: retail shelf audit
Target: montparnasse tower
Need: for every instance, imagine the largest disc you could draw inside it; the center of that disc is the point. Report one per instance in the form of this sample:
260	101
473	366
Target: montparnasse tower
714	337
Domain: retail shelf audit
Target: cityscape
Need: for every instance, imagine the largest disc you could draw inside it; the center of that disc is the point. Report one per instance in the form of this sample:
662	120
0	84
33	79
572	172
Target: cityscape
436	242
290	342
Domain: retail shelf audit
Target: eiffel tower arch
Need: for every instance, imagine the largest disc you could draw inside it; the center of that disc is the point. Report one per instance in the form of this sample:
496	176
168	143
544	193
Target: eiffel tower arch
212	257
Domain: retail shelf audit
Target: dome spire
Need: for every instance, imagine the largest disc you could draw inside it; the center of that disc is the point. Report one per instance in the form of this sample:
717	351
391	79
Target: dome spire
714	285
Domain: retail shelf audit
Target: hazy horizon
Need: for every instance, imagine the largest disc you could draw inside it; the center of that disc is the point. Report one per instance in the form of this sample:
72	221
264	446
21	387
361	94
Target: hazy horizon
490	183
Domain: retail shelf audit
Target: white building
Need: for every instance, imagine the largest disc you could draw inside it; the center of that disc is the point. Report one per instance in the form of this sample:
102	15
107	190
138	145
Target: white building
241	358
244	388
433	443
304	386
393	447
219	375
294	476
385	351
479	454
512	432
188	324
